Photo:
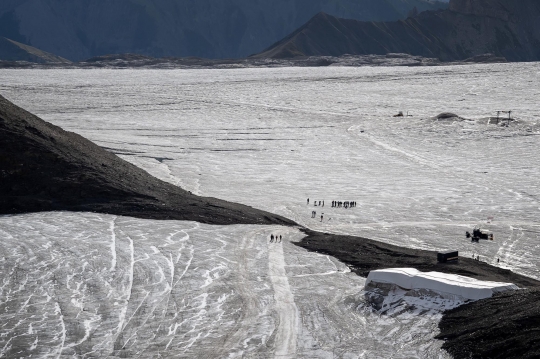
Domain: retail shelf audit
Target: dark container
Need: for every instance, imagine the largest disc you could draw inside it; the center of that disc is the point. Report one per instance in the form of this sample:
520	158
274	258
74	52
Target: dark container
443	257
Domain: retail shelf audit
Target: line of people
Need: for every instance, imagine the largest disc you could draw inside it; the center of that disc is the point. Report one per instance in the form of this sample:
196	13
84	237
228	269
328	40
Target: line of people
337	204
346	204
276	238
321	203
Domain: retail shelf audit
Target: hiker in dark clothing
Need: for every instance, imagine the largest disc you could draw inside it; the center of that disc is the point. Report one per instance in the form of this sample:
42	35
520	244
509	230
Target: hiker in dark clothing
323	203
271	238
308	201
321	216
280	238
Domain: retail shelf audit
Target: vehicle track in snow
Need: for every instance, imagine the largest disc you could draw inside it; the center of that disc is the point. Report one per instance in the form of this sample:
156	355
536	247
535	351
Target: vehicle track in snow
287	312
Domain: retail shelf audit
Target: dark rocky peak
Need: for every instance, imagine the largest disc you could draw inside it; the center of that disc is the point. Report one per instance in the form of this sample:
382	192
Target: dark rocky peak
507	29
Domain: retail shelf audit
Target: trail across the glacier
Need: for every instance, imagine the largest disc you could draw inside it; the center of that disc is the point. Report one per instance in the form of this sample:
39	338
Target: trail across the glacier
286	309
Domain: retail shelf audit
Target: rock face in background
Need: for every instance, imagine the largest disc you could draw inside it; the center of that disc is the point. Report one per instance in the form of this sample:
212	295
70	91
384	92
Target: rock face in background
504	28
492	8
80	29
15	51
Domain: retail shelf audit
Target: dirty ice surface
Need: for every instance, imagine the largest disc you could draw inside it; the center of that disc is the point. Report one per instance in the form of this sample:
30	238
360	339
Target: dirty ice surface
92	286
271	138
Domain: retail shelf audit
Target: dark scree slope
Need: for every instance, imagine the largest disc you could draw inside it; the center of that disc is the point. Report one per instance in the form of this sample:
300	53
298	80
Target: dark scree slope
44	168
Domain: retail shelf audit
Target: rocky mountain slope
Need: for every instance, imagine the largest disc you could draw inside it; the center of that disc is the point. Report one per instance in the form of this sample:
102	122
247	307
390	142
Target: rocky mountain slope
502	327
81	29
44	168
505	28
15	51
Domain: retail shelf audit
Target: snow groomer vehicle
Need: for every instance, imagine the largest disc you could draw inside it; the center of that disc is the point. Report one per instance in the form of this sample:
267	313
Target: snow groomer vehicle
478	234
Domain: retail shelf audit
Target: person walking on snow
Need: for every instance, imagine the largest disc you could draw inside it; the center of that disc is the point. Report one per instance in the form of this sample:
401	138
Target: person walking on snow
280	238
321	216
271	238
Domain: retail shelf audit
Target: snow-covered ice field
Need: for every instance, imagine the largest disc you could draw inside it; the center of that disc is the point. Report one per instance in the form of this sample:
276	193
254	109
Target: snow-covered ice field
269	138
92	285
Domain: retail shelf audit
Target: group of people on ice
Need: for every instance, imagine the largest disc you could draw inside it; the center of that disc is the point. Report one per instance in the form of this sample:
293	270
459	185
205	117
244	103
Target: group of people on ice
346	204
337	204
276	237
321	203
314	214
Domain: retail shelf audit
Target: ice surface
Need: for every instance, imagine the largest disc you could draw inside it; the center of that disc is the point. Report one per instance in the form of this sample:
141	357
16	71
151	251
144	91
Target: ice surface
271	138
184	290
453	284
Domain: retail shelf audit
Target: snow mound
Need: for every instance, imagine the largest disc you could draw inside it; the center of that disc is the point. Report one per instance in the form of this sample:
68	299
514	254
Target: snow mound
443	283
447	116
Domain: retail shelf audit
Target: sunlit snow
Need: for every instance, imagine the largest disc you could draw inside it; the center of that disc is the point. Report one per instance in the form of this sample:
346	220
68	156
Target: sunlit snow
269	138
452	284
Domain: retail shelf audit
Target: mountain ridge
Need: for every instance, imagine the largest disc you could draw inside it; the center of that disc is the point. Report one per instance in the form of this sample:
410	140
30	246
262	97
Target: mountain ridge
79	29
468	28
11	50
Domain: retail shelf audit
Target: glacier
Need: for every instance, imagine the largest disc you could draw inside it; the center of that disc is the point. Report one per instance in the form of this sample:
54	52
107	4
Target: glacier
89	285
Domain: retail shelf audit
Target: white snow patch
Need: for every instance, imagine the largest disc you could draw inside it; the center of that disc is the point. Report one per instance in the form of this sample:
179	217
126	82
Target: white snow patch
466	287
